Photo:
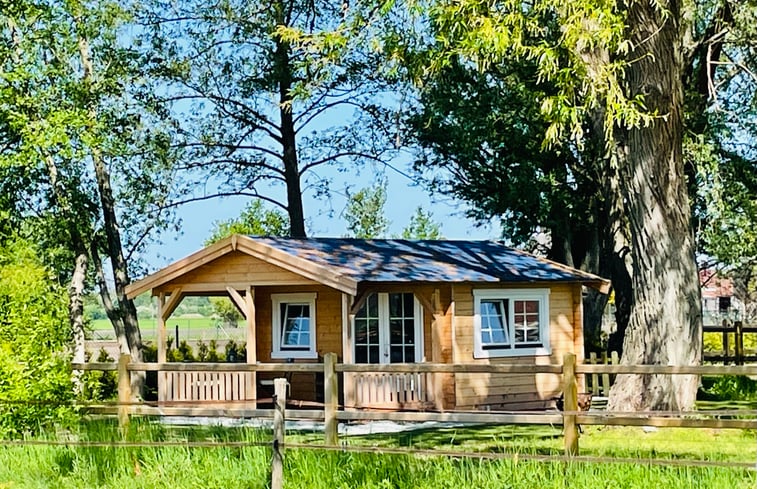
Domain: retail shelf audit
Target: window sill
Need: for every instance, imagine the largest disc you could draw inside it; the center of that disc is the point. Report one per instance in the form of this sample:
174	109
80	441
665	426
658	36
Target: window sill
284	355
509	353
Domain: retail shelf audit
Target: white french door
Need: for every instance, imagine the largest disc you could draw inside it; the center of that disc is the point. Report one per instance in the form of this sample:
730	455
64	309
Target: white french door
388	328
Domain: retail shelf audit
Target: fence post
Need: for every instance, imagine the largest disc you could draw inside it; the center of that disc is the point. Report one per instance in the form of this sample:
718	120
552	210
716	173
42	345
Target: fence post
330	399
739	343
570	404
594	377
277	459
124	391
726	348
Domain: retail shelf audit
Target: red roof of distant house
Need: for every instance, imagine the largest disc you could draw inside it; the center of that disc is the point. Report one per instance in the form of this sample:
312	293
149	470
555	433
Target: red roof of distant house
714	285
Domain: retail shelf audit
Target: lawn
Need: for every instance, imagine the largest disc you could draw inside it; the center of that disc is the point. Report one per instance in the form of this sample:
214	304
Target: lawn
248	467
190	328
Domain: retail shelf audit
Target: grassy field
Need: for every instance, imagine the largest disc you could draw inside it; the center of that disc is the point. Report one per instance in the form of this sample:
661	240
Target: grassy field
192	328
248	467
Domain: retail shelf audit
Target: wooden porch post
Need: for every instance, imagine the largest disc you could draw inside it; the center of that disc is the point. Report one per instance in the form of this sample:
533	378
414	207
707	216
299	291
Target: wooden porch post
162	379
348	383
252	356
165	309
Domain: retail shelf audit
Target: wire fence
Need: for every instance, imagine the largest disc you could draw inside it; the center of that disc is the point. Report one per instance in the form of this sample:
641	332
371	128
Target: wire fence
331	413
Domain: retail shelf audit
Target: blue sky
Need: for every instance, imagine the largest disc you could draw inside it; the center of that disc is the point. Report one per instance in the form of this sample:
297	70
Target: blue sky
403	197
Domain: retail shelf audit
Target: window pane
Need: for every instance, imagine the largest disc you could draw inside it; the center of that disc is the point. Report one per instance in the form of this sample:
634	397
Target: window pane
526	319
295	332
396	356
494	323
395	305
409	354
409	331
361	354
408	300
372	303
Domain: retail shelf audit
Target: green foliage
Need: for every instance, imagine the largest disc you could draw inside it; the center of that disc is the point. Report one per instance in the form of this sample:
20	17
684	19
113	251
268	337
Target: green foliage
422	226
233	352
97	385
364	212
729	388
255	219
35	373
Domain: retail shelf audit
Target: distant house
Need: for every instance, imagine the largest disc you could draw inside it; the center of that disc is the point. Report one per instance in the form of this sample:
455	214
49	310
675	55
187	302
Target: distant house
385	301
719	301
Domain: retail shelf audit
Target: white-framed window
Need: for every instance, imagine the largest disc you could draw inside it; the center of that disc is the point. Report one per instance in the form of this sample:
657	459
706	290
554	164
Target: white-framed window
510	322
293	325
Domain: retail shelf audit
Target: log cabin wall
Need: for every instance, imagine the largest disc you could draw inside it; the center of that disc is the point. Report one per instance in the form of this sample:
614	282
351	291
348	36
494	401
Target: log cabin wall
493	391
328	331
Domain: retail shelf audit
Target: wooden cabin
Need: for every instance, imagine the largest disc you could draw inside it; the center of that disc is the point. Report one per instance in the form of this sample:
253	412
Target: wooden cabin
384	301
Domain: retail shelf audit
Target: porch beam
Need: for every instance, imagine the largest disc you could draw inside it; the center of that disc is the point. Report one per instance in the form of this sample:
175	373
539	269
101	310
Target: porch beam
238	301
434	309
360	299
173	302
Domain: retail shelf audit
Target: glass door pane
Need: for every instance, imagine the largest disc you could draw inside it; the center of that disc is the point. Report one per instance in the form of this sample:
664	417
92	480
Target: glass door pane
401	328
367	345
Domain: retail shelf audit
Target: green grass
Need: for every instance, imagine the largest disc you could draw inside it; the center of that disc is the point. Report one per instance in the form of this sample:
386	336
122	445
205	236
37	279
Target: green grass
189	328
248	467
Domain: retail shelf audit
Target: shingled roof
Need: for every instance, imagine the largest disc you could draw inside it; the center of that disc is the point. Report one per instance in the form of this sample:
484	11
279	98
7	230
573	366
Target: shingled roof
344	263
400	260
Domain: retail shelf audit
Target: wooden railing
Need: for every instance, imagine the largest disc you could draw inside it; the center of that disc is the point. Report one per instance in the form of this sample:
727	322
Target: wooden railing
599	385
330	412
398	390
737	354
204	386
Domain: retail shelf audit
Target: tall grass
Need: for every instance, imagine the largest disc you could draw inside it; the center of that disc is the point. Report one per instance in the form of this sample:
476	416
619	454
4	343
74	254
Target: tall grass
248	467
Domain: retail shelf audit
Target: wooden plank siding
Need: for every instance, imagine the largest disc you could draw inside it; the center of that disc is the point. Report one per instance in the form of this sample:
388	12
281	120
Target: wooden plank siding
328	331
235	269
521	391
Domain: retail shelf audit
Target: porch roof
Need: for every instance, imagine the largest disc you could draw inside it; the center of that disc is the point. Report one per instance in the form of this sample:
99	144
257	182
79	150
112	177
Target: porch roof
343	263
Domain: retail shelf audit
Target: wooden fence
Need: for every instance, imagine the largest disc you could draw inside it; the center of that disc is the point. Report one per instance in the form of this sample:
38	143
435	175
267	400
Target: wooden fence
599	385
732	351
331	413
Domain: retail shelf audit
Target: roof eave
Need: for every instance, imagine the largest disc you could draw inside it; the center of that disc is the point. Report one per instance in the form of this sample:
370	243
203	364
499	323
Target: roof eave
249	246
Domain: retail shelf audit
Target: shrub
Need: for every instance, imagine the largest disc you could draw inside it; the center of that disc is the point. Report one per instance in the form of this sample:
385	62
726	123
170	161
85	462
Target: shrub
35	366
97	385
729	388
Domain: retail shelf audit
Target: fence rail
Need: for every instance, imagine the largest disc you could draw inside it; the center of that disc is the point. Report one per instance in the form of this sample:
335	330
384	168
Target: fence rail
330	412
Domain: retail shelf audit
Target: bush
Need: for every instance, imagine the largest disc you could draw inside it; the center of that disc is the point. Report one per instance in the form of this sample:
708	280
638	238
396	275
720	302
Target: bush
729	388
97	385
36	388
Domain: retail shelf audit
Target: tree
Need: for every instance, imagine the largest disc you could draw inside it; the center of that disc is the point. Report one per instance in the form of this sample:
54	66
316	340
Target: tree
364	213
255	219
256	107
73	121
613	85
422	226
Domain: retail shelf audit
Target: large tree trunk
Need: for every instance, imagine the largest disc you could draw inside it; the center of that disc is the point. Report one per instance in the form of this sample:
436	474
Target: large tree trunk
283	65
665	325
